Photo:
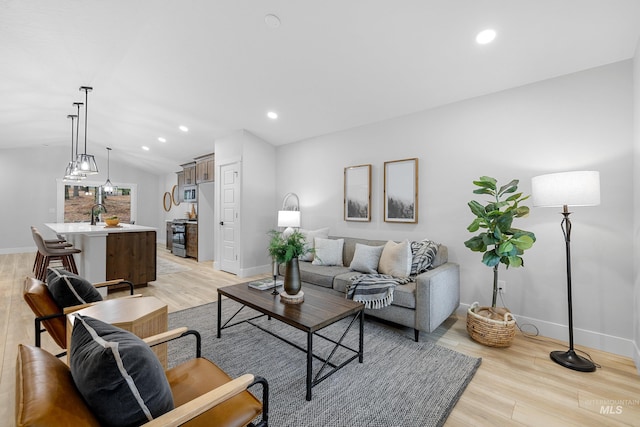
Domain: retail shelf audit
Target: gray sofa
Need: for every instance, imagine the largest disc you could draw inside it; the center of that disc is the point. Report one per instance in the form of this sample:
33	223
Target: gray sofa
422	305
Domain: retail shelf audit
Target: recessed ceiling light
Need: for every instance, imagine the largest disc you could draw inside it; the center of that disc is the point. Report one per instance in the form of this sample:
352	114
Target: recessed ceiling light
184	128
145	148
272	115
272	20
486	36
161	139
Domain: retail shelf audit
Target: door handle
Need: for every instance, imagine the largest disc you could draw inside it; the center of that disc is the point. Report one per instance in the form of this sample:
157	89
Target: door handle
221	222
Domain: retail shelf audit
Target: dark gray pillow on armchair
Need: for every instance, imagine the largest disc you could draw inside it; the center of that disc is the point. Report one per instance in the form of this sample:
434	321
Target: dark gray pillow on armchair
117	374
68	289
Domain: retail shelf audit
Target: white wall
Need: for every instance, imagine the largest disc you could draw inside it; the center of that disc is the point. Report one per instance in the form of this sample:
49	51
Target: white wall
636	209
579	121
258	197
29	192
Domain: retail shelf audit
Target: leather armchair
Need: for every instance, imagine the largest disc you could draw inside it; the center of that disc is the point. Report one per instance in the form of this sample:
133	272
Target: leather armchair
49	315
204	395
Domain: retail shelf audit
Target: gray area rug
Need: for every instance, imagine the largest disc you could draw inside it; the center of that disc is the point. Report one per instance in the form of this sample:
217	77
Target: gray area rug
400	383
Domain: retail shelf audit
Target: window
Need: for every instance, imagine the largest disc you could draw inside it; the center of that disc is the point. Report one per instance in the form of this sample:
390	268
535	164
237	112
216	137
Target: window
75	201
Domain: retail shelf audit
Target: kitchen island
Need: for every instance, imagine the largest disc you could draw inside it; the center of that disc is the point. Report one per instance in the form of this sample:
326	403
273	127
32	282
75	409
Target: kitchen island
126	251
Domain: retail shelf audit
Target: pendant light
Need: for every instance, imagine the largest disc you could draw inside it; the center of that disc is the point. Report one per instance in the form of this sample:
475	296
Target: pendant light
75	167
69	174
108	187
86	162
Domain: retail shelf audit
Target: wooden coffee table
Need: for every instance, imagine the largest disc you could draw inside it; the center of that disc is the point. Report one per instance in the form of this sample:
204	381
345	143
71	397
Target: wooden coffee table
319	310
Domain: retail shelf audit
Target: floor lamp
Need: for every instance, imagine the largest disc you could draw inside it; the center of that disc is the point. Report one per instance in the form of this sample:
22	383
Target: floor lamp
580	188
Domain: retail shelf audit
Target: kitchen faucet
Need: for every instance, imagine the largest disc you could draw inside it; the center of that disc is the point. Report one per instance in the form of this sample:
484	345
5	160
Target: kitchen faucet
94	219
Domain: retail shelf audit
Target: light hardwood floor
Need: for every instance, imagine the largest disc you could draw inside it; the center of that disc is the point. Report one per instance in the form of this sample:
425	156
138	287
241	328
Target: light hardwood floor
518	385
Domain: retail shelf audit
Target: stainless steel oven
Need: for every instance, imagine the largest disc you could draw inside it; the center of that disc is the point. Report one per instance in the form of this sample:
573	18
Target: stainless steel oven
179	239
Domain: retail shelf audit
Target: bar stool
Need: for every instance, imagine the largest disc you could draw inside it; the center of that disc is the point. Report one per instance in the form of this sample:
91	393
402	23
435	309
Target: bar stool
59	243
48	254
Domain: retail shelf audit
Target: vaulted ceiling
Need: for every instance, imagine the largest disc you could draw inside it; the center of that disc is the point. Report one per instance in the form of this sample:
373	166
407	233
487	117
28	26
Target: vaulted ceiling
216	66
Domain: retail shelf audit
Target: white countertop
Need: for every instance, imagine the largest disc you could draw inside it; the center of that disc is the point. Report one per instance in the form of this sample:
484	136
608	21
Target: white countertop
100	228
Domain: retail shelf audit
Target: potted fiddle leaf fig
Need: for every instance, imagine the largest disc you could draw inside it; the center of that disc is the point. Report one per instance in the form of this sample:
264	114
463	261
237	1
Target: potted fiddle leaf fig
285	248
500	243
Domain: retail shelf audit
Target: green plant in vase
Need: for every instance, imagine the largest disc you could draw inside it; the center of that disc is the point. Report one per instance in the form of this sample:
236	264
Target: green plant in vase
285	249
498	240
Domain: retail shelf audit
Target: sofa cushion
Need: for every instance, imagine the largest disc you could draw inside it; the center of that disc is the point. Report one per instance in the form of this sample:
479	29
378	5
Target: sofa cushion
309	237
328	251
442	256
321	275
68	289
423	253
366	258
396	259
350	246
117	374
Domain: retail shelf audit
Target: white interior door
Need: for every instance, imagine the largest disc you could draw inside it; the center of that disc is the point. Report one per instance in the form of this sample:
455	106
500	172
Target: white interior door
230	217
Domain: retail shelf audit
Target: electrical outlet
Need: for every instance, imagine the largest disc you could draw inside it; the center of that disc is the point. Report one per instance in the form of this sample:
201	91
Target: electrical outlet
502	286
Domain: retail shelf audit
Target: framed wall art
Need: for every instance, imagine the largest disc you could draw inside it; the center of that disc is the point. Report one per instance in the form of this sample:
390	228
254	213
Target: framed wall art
357	193
401	191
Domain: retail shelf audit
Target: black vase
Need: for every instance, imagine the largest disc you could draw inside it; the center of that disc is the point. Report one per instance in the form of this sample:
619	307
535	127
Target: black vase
292	282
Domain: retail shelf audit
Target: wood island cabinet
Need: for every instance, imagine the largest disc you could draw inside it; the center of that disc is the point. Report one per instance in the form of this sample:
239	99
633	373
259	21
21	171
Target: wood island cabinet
192	240
132	256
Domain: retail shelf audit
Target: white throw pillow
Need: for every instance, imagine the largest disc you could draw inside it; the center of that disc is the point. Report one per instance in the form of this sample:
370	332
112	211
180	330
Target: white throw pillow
309	237
366	258
396	259
328	251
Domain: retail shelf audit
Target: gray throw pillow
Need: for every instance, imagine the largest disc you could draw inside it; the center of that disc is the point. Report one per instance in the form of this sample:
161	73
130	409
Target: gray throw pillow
309	237
328	251
68	289
117	374
366	258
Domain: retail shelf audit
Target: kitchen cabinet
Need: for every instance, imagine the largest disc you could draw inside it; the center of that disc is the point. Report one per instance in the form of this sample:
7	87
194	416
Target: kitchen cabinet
189	170
180	176
204	168
192	240
169	245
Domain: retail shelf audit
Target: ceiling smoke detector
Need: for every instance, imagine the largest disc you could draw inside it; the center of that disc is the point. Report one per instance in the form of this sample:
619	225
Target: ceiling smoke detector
272	20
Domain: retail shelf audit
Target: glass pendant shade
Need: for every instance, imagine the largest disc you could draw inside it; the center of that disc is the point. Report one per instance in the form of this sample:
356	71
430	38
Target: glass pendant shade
108	186
86	162
70	173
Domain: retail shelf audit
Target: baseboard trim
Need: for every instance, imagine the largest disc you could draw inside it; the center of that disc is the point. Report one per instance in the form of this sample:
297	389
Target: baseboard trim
636	356
581	337
254	271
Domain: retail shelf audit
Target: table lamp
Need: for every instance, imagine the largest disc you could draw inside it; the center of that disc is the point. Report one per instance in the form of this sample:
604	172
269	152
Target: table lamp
579	188
288	219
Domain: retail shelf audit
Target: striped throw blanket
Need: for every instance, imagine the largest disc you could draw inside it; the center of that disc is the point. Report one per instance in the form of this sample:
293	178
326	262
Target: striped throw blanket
374	290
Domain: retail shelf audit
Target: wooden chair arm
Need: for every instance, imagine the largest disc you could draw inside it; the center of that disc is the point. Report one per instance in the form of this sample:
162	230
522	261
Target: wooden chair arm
164	336
199	405
107	283
73	308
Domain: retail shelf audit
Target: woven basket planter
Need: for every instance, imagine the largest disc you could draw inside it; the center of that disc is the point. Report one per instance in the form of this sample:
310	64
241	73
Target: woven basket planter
490	332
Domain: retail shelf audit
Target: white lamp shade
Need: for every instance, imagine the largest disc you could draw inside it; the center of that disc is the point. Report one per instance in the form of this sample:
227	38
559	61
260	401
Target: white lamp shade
579	188
288	218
